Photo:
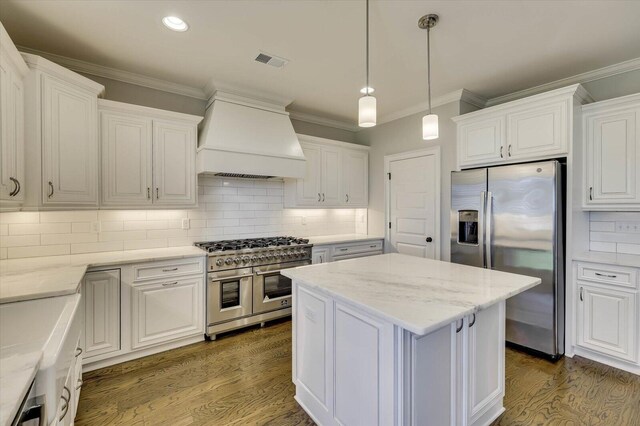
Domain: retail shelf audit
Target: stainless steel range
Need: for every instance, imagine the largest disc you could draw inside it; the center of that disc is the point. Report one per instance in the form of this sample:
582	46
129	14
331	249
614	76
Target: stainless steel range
244	284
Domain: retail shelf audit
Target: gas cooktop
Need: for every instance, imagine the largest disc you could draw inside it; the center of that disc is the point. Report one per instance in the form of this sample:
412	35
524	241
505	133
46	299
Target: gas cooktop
250	243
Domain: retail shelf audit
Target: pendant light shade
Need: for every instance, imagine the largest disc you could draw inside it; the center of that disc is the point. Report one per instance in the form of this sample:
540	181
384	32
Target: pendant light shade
367	110
429	121
430	127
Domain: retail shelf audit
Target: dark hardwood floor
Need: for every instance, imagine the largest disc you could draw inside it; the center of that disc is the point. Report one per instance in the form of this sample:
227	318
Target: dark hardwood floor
245	379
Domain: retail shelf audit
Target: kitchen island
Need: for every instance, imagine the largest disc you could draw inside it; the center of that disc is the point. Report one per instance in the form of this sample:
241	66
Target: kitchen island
400	340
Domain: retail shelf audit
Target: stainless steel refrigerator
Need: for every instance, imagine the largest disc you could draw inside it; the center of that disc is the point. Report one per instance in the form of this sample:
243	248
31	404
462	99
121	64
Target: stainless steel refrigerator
510	218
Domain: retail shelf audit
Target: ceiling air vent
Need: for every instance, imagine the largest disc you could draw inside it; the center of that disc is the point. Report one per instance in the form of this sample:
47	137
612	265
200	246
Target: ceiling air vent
274	61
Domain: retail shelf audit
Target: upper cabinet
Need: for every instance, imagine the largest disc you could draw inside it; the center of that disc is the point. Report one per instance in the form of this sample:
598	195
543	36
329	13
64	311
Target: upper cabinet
528	129
61	133
611	132
148	156
337	176
12	72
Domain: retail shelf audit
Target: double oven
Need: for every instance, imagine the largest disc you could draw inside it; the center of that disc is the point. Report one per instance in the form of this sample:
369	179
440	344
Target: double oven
246	287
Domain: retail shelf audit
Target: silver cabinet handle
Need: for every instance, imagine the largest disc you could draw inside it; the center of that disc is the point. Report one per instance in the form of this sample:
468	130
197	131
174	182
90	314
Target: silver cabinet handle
373	246
16	186
458	329
148	193
319	197
473	321
66	402
169	284
591	193
581	295
170	269
606	275
347	198
323	197
509	150
80	383
78	352
157	193
50	189
501	156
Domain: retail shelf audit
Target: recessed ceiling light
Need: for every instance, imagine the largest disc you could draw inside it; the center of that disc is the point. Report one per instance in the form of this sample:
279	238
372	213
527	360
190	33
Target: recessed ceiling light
174	23
367	90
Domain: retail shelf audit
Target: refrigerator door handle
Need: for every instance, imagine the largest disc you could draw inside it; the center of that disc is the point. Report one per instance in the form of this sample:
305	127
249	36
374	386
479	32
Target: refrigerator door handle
481	227
488	215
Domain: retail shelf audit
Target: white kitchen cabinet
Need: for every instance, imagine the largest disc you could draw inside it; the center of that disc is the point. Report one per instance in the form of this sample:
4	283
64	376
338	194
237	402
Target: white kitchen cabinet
101	298
320	255
12	72
326	253
337	176
148	157
165	310
61	134
534	128
355	178
607	321
612	164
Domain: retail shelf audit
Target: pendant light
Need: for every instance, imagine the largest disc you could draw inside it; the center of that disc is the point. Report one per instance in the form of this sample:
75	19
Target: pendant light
367	103
429	121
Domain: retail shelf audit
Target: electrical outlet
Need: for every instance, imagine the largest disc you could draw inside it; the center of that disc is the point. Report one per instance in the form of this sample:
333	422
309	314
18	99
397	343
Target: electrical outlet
185	223
304	220
628	227
95	227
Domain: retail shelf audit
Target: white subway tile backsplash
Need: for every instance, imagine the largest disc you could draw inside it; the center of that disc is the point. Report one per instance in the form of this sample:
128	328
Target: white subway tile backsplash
229	208
615	232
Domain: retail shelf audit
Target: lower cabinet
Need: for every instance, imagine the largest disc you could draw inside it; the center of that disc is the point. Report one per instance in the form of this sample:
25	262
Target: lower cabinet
334	252
101	296
68	404
164	310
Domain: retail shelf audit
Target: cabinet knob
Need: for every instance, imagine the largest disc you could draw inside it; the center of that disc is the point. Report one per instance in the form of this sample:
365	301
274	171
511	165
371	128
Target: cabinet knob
429	239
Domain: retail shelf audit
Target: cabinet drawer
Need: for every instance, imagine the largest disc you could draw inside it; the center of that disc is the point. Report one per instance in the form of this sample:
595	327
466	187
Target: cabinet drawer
351	248
168	269
616	275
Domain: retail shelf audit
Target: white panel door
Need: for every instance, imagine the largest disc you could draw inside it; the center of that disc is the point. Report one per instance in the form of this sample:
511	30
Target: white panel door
69	144
126	159
331	179
355	178
11	133
167	310
607	321
481	142
174	155
319	255
537	132
309	189
485	360
613	163
412	206
101	296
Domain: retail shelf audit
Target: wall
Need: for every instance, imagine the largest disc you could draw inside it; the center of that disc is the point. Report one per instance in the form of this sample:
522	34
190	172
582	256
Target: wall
615	232
321	131
402	135
228	208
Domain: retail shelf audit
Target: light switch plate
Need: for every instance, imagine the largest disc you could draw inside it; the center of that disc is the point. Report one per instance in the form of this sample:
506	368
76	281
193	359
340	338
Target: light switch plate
185	223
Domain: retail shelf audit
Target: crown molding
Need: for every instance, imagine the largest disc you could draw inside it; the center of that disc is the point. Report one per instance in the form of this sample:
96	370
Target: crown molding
456	95
585	77
119	75
323	121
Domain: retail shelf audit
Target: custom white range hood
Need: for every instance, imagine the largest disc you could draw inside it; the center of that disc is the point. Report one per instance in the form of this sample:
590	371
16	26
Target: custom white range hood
248	138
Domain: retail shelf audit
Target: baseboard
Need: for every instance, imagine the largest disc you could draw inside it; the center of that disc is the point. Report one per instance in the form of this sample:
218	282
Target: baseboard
607	360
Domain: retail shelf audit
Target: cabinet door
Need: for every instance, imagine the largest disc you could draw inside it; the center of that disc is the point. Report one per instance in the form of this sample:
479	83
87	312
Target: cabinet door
167	310
331	179
126	159
319	256
485	364
69	144
538	132
174	158
11	134
355	178
607	321
309	189
481	142
102	312
612	158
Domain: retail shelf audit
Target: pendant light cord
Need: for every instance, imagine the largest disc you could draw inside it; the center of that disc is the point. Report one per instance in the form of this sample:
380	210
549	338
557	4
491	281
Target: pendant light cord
429	68
367	38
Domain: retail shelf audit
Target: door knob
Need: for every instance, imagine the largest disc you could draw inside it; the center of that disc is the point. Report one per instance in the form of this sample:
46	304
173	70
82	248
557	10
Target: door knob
429	239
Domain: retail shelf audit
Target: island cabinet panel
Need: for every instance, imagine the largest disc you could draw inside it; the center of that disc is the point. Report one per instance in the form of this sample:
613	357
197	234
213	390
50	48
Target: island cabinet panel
101	298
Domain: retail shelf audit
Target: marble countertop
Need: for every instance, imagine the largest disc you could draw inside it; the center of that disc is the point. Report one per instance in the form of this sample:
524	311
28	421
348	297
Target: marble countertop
16	375
419	295
342	238
632	260
39	277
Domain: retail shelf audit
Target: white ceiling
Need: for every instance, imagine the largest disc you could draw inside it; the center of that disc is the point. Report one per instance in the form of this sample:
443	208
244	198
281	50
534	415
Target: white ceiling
489	47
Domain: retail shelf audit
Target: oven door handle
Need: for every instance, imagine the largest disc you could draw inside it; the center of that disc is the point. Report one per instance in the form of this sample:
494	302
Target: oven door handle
233	277
277	271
